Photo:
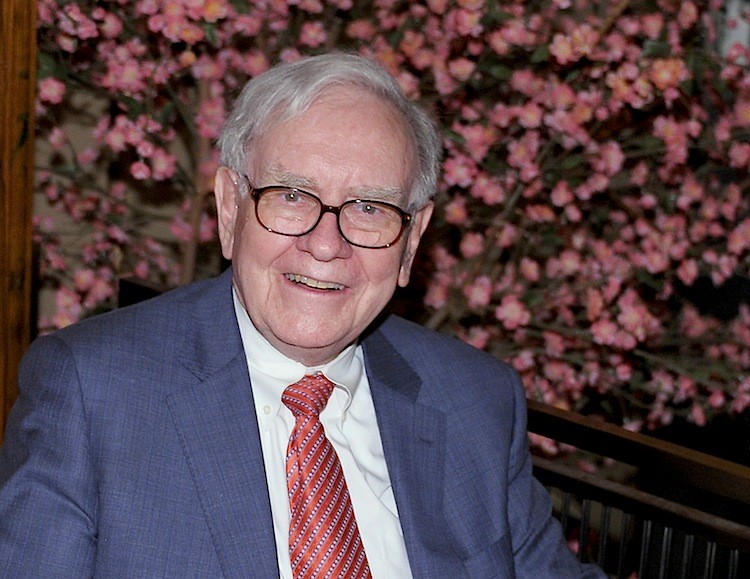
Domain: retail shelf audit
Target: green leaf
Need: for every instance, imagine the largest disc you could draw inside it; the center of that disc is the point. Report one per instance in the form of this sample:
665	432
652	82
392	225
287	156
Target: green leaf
212	33
48	66
656	49
541	54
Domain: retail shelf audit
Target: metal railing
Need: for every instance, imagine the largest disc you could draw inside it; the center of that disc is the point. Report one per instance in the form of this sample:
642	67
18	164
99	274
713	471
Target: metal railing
684	514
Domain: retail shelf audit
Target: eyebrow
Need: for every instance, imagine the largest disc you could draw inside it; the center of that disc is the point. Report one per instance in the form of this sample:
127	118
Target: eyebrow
287	179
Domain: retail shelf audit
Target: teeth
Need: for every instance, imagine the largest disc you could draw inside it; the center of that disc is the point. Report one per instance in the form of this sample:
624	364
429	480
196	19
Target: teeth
303	279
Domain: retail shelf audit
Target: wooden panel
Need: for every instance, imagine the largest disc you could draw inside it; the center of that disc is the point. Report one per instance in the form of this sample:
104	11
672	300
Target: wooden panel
18	82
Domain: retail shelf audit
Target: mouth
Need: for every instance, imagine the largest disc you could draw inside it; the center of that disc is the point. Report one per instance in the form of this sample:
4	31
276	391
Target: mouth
313	283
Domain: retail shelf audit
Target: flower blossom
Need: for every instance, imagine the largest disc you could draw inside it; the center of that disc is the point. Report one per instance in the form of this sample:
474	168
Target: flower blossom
479	292
472	244
666	73
512	313
51	90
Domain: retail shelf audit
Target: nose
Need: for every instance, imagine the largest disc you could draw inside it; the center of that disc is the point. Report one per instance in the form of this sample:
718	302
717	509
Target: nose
325	242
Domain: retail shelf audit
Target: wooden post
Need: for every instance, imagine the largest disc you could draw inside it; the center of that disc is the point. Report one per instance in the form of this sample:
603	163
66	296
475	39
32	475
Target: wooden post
18	82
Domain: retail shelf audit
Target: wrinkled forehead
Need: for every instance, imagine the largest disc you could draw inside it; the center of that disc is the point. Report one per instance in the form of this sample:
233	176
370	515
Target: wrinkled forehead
338	98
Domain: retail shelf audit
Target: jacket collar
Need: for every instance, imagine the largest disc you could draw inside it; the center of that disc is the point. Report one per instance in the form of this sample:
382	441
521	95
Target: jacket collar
414	438
214	414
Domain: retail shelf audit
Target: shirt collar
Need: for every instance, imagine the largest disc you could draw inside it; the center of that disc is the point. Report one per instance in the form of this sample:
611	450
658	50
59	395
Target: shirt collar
279	371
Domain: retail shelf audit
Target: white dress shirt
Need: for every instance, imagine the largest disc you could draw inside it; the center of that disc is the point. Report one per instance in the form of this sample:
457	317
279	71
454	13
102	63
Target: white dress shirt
351	426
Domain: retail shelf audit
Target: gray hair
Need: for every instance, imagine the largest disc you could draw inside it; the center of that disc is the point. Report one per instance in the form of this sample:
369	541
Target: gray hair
286	91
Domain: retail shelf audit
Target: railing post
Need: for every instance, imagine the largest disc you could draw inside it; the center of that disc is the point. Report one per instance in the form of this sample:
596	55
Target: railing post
18	82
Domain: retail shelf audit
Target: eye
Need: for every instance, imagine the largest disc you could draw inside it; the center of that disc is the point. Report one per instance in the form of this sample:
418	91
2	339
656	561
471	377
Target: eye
369	209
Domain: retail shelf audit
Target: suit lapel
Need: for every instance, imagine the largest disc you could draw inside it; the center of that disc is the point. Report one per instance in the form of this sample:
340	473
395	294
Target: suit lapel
215	418
414	442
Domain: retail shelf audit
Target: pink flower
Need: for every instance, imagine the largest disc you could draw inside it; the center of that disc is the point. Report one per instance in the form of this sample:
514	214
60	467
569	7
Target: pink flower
604	332
523	152
68	301
455	211
477	337
561	194
515	33
526	82
461	69
487	189
459	170
530	116
163	165
568	263
529	269
437	294
124	76
507	236
688	272
312	34
742	112
213	10
639	174
361	30
570	48
472	244
210	117
675	138
498	43
141	269
512	313
610	160
58	138
738	240
668	73
698	415
594	304
478	139
540	213
100	291
87	156
207	228
562	49
83	279
739	155
140	170
635	318
687	15
717	399
66	43
479	292
111	27
652	25
51	90
180	229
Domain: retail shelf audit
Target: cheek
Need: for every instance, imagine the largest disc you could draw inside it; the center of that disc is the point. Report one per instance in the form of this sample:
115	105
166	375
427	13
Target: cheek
382	276
253	255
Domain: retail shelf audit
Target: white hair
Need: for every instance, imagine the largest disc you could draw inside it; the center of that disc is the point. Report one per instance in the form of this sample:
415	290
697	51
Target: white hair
286	91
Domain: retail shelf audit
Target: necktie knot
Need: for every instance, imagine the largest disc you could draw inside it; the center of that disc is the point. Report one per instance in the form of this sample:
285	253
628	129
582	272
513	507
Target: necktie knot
309	396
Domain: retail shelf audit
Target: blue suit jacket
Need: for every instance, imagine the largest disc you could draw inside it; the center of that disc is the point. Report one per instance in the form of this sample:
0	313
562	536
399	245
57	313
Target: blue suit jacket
133	451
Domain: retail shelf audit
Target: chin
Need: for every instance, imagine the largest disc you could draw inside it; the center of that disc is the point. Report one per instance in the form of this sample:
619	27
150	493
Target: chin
309	339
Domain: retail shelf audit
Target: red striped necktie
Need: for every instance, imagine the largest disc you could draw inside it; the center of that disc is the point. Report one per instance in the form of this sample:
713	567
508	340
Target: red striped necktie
324	538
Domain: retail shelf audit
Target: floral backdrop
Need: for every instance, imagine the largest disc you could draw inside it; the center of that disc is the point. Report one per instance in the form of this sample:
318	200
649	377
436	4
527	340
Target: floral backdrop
595	189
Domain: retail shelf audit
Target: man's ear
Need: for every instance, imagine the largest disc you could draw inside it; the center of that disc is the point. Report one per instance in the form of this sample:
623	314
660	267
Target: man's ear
418	226
227	193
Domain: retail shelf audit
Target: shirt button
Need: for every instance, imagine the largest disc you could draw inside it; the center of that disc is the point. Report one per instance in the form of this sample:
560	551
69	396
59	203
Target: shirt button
267	409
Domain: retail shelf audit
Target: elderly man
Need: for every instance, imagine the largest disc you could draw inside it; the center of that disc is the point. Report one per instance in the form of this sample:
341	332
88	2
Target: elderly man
270	422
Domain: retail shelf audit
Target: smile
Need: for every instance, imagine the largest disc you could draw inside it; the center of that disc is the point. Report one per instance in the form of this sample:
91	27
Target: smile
313	283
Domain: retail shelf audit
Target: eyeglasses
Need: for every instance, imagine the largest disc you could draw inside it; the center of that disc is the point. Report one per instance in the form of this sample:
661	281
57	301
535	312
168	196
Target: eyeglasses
294	212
